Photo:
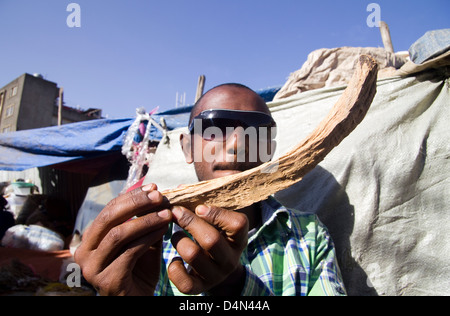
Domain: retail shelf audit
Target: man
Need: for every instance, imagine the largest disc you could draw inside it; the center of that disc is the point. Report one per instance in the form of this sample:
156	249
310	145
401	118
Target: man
264	249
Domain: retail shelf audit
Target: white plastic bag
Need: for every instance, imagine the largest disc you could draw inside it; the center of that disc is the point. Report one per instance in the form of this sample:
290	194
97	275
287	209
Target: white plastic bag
32	237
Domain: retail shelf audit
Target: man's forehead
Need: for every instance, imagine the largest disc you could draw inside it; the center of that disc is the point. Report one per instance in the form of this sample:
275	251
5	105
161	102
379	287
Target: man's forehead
231	98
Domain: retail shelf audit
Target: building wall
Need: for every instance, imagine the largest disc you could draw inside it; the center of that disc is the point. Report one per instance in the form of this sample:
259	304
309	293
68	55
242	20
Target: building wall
70	115
37	103
30	102
10	98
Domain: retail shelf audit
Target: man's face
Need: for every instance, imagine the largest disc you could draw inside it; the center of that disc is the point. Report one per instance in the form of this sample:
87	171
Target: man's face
239	150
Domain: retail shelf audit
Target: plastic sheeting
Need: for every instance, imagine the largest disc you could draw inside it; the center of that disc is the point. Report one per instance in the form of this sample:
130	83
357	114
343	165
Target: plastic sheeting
431	45
47	146
326	68
53	145
383	193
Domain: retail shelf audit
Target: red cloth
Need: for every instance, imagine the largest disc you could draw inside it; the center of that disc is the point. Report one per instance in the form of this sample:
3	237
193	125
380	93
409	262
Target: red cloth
43	263
137	185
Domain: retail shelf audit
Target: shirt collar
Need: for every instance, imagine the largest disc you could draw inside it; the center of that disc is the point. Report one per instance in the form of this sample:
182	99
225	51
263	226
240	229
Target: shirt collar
271	211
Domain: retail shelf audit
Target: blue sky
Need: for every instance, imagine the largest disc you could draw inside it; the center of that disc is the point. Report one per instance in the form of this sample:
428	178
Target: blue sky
140	53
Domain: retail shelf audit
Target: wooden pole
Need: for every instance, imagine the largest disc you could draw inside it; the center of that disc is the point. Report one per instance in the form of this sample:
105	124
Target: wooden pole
2	101
60	104
200	87
386	37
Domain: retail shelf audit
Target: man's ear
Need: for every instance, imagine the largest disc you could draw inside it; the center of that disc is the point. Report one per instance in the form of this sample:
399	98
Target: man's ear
186	146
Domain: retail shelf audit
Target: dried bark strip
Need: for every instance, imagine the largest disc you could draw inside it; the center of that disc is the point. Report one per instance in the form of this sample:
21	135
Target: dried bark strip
241	190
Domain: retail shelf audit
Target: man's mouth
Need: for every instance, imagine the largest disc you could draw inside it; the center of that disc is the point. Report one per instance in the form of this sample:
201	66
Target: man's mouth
228	169
232	166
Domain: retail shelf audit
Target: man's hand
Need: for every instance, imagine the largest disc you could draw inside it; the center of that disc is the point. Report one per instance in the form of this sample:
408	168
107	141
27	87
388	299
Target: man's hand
220	237
119	256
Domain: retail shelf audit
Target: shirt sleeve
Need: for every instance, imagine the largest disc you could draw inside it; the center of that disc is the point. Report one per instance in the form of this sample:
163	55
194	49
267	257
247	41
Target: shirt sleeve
326	279
254	286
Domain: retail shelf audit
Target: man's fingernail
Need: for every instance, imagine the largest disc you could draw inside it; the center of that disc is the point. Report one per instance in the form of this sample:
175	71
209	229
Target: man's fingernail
164	214
177	212
149	187
202	210
154	196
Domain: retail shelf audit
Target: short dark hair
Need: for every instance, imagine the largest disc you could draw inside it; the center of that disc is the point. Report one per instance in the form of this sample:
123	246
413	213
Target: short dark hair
199	101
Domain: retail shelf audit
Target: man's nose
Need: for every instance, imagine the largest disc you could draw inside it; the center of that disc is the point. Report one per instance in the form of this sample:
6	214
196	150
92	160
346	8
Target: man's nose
236	145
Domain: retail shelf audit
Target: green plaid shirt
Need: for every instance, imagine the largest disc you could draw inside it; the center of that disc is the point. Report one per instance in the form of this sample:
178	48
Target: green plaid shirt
290	254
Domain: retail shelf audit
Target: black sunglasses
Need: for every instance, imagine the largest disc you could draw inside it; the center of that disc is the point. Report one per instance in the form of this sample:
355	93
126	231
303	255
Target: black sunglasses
228	120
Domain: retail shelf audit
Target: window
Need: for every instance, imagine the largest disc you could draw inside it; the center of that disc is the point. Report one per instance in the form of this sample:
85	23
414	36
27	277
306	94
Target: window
6	129
14	91
9	111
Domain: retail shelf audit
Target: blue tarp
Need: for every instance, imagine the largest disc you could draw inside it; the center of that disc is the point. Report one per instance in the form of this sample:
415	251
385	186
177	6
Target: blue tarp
432	44
53	145
47	146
